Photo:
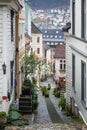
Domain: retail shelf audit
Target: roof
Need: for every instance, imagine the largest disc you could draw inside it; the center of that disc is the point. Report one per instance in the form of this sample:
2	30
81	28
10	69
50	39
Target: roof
27	38
60	51
35	29
53	35
66	27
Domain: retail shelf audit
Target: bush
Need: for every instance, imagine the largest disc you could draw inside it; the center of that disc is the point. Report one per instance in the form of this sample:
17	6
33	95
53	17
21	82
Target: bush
2	114
62	103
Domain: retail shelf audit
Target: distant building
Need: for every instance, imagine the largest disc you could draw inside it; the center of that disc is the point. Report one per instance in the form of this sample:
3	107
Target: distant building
51	37
37	45
60	63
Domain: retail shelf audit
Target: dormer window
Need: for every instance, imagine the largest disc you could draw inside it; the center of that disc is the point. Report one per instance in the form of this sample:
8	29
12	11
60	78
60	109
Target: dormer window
57	32
55	36
51	36
45	31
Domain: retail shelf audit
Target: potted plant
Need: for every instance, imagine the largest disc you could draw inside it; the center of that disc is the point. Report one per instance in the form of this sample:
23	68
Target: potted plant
62	103
43	89
49	87
47	93
2	119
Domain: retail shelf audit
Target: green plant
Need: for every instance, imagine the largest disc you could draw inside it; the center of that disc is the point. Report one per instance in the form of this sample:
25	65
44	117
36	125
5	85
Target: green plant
62	103
49	87
2	114
34	104
43	89
46	93
2	119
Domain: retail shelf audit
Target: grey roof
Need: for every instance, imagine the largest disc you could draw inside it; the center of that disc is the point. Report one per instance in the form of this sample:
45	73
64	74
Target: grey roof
35	29
53	35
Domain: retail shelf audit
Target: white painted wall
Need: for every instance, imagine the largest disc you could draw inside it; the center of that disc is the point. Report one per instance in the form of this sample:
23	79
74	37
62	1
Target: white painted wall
77	18
57	68
7	55
36	45
79	49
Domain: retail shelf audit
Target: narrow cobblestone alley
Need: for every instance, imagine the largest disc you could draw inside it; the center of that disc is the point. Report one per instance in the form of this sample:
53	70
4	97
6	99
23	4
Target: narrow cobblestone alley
48	110
48	116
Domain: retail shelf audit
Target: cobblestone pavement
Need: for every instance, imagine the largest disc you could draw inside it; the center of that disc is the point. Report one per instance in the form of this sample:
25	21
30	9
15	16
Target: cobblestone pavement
54	100
47	126
42	119
42	116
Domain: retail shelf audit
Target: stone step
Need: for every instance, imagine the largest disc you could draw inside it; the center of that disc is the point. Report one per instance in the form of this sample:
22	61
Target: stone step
27	103
49	126
25	108
28	98
26	111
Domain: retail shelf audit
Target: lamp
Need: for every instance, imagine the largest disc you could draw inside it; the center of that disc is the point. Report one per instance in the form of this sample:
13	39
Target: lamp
4	68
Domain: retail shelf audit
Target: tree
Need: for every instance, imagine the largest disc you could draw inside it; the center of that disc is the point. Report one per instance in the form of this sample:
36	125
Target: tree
30	64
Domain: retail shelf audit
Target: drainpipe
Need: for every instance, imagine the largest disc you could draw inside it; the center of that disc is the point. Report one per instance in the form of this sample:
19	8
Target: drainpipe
17	92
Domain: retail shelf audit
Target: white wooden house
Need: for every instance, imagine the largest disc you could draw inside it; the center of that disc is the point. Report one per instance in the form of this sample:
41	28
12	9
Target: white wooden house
9	10
76	59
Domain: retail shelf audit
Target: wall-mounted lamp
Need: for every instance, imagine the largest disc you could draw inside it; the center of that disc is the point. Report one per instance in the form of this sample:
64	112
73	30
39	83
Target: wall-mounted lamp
4	68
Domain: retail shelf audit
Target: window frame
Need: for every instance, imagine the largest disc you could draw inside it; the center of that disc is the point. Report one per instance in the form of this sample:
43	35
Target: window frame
73	17
38	39
83	19
12	25
73	70
83	82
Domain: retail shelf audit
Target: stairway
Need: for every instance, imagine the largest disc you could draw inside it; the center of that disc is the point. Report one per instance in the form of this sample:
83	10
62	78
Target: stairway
25	105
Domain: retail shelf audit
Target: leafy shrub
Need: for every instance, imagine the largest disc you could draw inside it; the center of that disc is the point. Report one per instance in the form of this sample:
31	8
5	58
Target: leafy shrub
43	89
2	114
62	103
47	93
49	87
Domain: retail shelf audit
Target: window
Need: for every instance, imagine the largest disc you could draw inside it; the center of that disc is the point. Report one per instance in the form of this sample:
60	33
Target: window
57	32
38	39
83	81
55	36
83	18
12	26
31	49
11	75
73	71
62	64
38	50
73	17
